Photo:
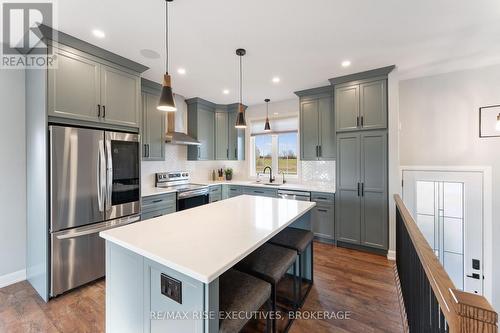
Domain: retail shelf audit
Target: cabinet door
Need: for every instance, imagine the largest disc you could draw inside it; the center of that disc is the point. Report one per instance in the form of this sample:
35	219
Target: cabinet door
373	104
322	221
309	119
328	147
236	139
347	108
74	87
153	125
120	93
347	196
374	215
221	136
206	120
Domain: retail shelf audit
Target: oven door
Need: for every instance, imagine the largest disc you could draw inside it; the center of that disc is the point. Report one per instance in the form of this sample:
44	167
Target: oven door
123	185
191	201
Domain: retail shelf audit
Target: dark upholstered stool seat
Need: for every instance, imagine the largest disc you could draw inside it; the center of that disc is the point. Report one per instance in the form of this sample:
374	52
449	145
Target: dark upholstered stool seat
293	238
240	292
269	262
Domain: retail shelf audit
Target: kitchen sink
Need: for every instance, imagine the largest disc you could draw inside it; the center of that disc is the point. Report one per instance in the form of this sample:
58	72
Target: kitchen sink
268	184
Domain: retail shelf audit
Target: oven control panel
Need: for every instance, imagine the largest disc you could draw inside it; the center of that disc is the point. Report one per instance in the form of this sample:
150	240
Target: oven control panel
169	177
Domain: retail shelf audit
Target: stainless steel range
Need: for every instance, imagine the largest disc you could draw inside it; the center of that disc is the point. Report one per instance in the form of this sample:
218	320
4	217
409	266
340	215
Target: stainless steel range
189	195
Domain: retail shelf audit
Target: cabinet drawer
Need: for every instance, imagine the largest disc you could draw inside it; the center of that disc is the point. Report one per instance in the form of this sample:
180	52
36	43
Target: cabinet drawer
216	189
161	201
156	213
323	221
234	190
263	192
324	198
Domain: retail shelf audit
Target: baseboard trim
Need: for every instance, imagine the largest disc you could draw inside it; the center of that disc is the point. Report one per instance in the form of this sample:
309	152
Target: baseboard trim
11	278
391	255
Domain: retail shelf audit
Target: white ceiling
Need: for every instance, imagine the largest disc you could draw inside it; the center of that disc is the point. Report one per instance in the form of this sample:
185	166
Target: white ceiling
302	42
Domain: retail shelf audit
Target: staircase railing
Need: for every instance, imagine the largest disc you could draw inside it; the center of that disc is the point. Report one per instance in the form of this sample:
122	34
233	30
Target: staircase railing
431	301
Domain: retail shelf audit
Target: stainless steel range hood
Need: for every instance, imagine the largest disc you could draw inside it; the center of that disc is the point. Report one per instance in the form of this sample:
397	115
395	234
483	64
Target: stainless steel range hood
178	138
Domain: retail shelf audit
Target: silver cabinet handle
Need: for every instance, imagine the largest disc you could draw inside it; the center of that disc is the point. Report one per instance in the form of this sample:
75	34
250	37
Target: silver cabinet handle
101	176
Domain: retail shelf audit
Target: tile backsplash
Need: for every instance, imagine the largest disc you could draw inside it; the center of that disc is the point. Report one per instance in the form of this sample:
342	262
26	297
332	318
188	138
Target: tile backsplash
318	172
175	160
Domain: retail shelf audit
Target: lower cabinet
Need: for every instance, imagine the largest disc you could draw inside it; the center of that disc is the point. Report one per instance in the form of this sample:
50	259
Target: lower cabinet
323	216
234	190
158	205
262	192
215	193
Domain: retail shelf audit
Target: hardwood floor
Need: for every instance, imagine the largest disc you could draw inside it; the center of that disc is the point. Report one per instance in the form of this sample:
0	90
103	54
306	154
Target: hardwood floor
345	280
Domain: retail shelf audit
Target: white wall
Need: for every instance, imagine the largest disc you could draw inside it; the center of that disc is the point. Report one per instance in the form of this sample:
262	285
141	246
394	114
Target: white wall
13	171
439	118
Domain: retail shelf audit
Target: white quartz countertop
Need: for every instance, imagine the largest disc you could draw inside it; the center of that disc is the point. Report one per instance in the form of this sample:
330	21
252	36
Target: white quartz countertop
205	241
287	186
149	191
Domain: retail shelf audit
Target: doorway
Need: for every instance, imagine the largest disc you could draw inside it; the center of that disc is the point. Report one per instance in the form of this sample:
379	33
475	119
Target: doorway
448	207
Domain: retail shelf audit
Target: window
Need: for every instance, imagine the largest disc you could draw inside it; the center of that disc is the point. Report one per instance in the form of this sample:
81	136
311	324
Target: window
287	153
277	149
263	152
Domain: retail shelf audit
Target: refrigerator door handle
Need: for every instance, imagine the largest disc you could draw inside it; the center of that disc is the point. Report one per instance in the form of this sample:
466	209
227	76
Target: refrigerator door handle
96	229
101	176
109	176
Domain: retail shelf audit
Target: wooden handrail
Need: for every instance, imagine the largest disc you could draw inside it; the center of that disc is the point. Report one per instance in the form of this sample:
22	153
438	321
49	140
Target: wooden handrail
464	312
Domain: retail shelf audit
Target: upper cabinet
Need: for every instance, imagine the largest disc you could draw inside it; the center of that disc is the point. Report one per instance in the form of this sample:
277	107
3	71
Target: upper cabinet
153	123
201	126
94	87
361	106
317	124
361	100
213	125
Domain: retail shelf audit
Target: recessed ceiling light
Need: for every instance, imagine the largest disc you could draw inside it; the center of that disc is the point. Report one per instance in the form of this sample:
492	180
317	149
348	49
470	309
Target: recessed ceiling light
181	71
276	79
98	33
346	63
225	91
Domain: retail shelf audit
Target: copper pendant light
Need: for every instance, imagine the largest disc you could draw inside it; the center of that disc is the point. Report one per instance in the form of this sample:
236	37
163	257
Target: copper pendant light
240	120
267	126
167	101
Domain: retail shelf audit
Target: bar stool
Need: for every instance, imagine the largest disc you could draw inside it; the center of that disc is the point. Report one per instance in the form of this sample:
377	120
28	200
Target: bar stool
298	240
270	263
241	292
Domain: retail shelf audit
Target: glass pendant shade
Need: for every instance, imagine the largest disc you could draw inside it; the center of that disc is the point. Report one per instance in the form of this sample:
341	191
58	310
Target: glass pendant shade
497	127
167	101
267	126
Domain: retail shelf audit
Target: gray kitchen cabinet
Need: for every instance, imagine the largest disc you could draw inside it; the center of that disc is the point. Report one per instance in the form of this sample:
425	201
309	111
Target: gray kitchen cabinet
361	105
236	140
317	124
86	88
158	205
215	193
323	216
361	197
153	123
221	135
234	190
74	87
120	94
201	126
261	192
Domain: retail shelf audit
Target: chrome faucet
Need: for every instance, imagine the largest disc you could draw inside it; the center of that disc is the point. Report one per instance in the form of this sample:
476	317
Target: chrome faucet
271	178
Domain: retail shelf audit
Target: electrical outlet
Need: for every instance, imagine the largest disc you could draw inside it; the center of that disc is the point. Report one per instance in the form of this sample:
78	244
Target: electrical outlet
172	288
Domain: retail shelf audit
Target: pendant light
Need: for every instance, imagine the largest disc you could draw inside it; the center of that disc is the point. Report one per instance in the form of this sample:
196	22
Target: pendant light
167	102
267	127
497	127
240	119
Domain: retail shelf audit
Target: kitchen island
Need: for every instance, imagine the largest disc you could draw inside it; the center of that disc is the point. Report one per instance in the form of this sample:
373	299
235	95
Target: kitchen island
162	274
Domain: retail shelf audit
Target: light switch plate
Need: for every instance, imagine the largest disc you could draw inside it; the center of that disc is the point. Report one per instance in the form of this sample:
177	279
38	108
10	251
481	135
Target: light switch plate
172	288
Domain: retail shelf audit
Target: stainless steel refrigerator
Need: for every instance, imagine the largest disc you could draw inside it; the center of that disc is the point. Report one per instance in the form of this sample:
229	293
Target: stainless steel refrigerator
94	186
